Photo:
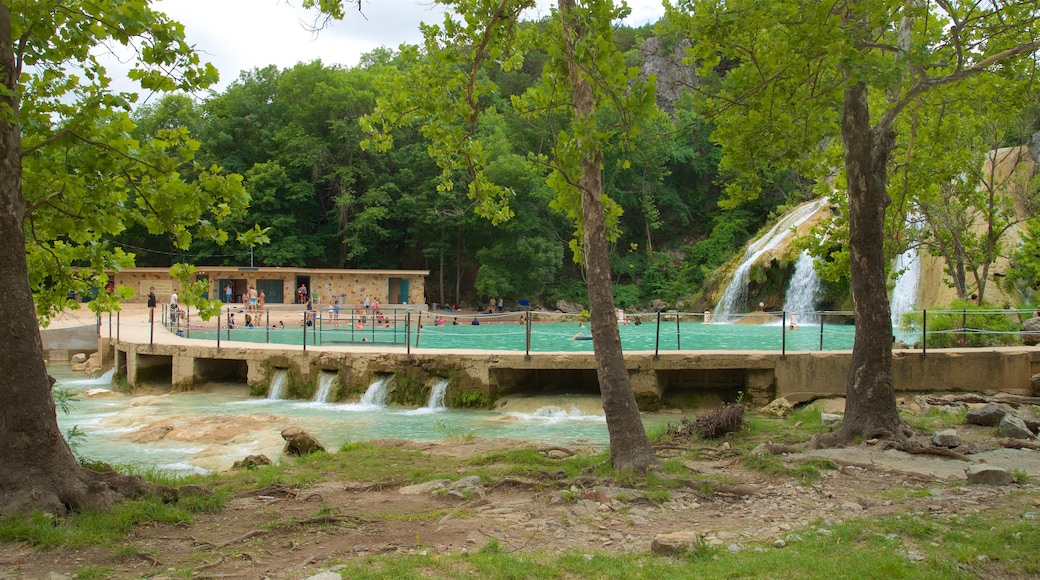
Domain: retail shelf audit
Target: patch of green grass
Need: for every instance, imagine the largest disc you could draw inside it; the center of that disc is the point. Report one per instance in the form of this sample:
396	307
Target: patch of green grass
91	572
808	415
805	472
1021	477
935	419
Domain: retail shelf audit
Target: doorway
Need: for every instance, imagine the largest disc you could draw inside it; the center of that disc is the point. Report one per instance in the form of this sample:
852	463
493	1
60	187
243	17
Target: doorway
306	282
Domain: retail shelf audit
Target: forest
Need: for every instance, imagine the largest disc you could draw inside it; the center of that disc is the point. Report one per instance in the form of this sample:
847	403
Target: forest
320	196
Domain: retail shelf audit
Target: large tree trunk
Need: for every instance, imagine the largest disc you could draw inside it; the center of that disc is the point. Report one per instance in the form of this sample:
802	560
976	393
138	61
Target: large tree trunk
870	407
629	446
37	468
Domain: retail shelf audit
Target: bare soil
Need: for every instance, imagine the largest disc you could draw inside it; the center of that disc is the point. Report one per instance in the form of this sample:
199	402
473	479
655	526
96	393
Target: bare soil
281	532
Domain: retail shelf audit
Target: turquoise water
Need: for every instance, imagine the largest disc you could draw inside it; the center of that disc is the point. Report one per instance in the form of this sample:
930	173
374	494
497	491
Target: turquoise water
558	336
107	422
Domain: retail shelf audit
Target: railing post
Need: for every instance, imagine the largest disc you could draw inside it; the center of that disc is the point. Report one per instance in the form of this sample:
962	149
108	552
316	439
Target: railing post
187	322
305	330
418	330
117	326
822	314
678	334
109	325
924	333
218	331
527	330
657	337
267	325
151	326
408	331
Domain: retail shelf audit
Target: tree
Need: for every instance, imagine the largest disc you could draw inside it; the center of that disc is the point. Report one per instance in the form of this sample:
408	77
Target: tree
785	79
450	95
71	176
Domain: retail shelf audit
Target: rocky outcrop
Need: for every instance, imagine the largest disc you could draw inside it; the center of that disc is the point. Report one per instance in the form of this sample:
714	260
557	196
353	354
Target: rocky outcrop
665	62
1031	331
300	442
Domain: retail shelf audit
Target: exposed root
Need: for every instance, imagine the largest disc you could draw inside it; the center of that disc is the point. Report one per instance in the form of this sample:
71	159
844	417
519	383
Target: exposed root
329	519
275	490
518	483
776	449
710	486
150	559
242	538
214	563
1020	444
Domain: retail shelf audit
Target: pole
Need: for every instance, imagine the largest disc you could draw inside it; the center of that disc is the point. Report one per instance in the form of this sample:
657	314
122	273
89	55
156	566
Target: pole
117	326
821	331
218	332
187	322
527	352
407	336
924	333
151	326
678	336
783	334
304	331
267	325
657	338
110	325
418	330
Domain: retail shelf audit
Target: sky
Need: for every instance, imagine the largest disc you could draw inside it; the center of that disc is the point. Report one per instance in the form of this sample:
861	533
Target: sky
237	35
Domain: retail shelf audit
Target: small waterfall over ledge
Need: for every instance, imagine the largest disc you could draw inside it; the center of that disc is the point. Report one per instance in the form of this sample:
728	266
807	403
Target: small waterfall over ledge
803	289
325	382
904	294
435	403
377	393
734	299
278	380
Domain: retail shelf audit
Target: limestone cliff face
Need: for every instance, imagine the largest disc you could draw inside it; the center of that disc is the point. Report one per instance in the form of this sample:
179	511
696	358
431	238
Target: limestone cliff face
666	63
1011	168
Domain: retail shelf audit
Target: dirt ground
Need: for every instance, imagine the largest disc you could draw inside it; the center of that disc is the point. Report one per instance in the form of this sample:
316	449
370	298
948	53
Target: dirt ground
279	532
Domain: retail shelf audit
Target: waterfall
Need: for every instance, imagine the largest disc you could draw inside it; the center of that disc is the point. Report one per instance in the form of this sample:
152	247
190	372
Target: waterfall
377	392
436	402
277	383
734	298
904	294
325	382
803	289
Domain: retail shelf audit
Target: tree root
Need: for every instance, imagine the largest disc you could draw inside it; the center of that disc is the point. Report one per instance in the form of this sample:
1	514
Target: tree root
1019	444
711	486
1013	400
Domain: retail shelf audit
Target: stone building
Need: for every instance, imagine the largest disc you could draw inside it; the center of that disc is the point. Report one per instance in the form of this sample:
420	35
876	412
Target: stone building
280	285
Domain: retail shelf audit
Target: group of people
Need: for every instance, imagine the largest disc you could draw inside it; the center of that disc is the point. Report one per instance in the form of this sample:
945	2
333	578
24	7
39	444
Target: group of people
495	306
253	300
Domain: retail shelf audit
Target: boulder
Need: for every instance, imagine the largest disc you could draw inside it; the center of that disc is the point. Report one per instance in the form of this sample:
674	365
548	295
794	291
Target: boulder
79	358
300	442
658	305
947	438
778	408
1015	428
1031	331
251	462
827	419
1034	384
568	307
467	487
424	488
982	474
988	416
99	392
675	543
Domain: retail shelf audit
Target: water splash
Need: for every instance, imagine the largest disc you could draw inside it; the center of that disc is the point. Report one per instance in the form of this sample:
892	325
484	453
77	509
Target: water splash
904	294
803	289
325	382
105	379
734	299
377	393
553	414
278	380
436	401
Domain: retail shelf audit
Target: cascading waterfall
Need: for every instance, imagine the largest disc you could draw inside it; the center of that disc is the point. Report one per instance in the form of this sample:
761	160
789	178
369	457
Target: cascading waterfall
277	383
436	402
325	382
377	393
803	289
734	298
904	294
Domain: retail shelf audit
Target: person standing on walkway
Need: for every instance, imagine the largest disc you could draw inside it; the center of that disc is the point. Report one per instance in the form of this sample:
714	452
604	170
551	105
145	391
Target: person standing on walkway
228	292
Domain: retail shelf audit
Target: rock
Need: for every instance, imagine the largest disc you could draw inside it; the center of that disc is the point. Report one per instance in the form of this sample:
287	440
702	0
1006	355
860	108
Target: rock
251	462
568	307
1034	384
325	576
557	454
468	487
947	438
675	543
300	442
1031	331
79	358
734	548
982	474
827	419
779	544
98	393
988	416
778	408
1015	428
424	488
658	305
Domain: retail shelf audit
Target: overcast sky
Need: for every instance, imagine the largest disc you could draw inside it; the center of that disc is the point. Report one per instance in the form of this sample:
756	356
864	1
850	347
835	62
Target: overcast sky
237	35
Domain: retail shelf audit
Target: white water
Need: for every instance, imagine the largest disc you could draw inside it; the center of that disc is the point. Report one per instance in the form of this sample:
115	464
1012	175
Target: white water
325	382
105	380
274	392
435	404
803	289
377	393
734	299
904	294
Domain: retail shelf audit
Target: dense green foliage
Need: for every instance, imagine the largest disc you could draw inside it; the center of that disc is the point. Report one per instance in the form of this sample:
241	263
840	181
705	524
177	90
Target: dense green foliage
294	135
